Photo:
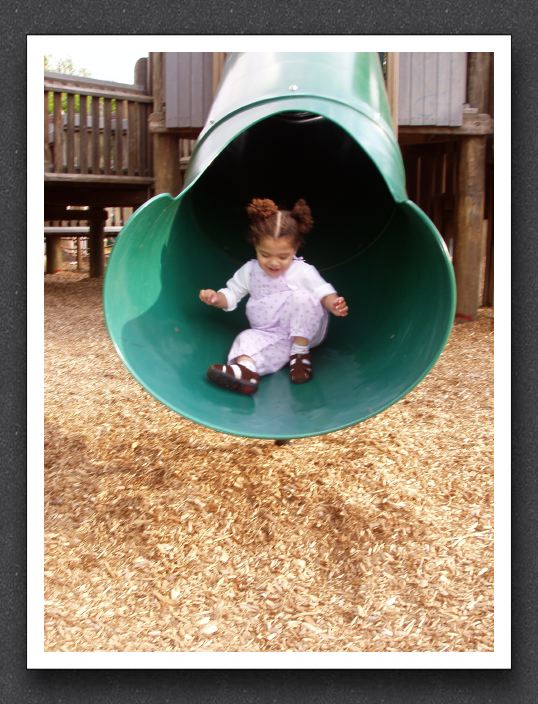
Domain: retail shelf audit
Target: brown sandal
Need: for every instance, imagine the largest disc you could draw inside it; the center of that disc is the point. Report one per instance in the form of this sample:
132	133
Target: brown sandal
235	377
300	368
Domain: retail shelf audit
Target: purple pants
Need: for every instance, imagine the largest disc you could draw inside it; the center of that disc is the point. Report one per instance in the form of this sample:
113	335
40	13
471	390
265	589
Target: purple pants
276	317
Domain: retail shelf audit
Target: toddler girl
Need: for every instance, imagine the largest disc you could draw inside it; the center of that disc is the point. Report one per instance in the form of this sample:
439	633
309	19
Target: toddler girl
288	305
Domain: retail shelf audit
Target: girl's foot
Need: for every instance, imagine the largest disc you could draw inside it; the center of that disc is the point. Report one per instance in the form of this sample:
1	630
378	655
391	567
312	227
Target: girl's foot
300	368
235	377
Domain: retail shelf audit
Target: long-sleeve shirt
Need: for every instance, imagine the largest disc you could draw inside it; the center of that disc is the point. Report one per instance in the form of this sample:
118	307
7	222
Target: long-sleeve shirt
299	275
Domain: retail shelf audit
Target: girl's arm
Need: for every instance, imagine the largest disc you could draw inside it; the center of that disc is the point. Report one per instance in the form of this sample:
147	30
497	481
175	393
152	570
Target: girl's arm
307	276
236	289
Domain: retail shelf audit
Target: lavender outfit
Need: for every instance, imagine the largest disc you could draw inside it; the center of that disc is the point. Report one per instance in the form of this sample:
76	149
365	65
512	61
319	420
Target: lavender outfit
279	309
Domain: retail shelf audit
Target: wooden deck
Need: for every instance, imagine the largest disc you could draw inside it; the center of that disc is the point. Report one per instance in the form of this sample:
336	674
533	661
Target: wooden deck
97	153
100	139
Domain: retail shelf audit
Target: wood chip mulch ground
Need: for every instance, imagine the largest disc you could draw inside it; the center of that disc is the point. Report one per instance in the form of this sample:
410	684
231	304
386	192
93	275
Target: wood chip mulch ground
162	535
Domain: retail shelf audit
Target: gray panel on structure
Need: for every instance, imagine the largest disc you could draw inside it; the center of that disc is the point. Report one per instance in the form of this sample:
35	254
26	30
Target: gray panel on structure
432	88
404	89
459	87
188	88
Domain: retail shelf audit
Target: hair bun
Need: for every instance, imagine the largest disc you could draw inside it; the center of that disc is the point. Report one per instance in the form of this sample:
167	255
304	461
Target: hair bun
302	214
261	209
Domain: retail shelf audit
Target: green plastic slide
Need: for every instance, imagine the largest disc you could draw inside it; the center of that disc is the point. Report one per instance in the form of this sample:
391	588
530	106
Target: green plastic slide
286	126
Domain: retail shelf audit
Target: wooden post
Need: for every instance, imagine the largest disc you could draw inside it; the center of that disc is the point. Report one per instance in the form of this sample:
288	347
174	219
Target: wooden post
79	255
469	224
166	163
165	144
53	250
488	287
471	232
218	64
478	83
97	218
141	74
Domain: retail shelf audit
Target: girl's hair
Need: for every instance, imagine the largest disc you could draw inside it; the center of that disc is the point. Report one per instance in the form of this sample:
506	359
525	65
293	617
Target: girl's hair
267	220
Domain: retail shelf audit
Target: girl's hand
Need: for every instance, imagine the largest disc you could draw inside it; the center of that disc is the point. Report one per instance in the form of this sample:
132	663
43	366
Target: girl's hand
211	298
339	307
336	305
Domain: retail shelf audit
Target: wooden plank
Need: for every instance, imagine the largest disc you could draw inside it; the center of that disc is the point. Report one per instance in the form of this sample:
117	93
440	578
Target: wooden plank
207	88
188	86
219	57
107	135
157	62
46	137
96	242
100	84
99	194
207	93
132	156
70	136
426	180
417	88
118	139
439	179
184	97
469	224
431	88
143	133
54	255
149	138
119	95
83	140
443	90
449	191
458	87
95	136
141	74
478	75
404	89
473	124
411	171
76	230
62	212
167	172
196	89
97	178
170	86
58	134
487	298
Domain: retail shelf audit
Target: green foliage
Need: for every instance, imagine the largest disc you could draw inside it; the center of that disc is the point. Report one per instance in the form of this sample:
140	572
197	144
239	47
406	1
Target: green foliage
67	67
63	66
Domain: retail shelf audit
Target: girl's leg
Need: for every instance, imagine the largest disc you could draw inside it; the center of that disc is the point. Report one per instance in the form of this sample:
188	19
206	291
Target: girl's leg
268	350
240	373
304	317
246	362
235	376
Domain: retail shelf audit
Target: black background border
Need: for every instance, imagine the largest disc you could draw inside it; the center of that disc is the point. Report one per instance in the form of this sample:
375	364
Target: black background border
520	684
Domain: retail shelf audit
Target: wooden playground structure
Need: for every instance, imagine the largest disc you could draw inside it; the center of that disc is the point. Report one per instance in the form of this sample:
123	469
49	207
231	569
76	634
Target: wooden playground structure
109	147
162	535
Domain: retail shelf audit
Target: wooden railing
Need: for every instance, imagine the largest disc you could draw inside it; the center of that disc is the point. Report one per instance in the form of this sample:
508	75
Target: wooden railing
96	130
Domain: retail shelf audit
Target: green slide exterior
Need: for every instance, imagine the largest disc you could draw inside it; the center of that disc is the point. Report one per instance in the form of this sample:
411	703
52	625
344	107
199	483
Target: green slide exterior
286	126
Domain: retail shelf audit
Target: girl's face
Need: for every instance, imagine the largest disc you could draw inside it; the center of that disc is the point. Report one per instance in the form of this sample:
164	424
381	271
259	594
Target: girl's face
275	255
